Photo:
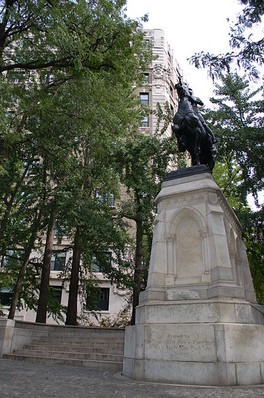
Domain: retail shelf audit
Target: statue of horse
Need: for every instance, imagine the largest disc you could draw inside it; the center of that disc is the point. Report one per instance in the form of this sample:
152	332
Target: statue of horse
191	131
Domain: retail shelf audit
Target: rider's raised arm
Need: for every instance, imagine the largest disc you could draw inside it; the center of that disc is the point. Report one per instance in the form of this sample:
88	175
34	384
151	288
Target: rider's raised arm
197	101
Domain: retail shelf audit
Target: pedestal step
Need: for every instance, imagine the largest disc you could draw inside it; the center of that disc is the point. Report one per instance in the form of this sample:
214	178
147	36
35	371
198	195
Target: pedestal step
86	347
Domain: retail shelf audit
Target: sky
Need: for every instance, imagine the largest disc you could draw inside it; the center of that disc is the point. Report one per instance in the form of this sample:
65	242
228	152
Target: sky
190	26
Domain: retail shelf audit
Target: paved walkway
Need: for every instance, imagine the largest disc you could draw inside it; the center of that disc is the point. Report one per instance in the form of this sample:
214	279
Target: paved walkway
30	380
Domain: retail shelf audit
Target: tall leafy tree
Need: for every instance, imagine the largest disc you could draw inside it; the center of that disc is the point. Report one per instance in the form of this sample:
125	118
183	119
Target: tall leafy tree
238	124
241	138
45	274
94	179
143	163
66	68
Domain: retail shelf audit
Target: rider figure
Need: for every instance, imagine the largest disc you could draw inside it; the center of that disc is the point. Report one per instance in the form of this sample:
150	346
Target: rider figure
191	130
195	101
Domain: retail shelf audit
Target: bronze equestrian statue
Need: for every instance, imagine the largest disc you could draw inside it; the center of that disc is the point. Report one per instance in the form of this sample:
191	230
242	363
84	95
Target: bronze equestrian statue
191	131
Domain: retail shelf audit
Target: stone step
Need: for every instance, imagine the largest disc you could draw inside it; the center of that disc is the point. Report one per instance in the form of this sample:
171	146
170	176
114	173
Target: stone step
76	347
89	339
46	328
109	365
98	333
70	354
103	342
99	341
80	332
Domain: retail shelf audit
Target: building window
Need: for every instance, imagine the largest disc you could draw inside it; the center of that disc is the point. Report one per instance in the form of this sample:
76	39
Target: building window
49	79
4	260
144	98
145	78
105	198
12	257
97	298
56	231
145	121
101	261
55	293
16	77
59	231
5	296
58	259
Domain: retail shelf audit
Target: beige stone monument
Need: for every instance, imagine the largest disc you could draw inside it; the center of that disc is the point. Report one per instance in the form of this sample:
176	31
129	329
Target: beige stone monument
198	321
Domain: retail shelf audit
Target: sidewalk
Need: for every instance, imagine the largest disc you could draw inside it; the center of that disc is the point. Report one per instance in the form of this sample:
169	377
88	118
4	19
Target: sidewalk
30	380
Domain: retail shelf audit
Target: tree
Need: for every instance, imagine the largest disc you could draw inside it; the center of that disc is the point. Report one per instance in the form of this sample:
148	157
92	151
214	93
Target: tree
254	239
51	34
73	63
237	123
241	138
94	179
25	261
143	163
45	273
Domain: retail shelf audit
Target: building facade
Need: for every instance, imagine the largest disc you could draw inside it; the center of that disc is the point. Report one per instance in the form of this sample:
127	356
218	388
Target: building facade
159	80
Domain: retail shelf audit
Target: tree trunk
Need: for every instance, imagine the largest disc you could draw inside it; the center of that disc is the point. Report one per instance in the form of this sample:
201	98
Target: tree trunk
29	247
71	318
9	204
23	268
138	269
45	275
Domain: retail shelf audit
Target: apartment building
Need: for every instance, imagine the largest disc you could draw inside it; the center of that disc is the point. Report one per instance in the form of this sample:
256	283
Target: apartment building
159	79
157	87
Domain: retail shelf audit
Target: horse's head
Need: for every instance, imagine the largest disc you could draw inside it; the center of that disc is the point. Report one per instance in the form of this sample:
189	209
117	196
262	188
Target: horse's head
181	89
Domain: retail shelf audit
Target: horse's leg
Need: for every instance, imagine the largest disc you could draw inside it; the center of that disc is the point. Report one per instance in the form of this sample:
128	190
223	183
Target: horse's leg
211	156
197	148
179	136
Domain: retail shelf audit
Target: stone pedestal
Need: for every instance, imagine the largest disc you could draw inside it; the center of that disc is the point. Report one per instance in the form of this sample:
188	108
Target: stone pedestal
6	335
198	321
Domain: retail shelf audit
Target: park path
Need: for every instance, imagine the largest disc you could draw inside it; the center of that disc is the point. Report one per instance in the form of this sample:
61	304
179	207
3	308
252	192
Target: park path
26	379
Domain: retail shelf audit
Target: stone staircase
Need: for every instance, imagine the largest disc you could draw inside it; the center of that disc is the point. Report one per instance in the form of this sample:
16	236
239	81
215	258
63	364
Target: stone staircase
77	346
